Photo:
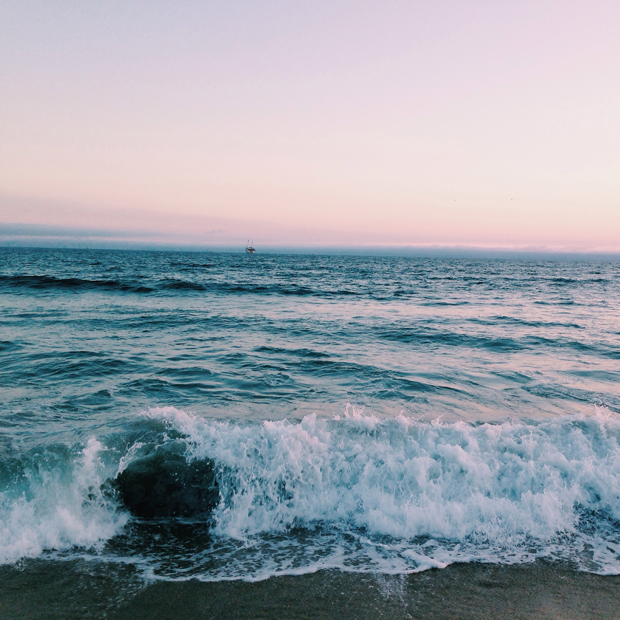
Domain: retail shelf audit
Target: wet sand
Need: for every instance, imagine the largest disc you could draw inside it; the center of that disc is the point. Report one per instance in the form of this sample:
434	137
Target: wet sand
74	590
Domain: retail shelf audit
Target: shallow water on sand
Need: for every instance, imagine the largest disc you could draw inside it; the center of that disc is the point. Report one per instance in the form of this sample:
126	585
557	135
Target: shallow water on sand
76	590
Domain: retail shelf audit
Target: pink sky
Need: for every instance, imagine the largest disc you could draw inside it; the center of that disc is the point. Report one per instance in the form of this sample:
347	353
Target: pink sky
450	123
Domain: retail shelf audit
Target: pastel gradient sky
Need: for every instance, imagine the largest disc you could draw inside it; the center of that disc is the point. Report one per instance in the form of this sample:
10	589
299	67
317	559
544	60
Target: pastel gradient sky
481	123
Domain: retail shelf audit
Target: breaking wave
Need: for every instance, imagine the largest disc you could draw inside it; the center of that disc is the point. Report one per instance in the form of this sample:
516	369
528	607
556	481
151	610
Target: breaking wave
55	500
356	492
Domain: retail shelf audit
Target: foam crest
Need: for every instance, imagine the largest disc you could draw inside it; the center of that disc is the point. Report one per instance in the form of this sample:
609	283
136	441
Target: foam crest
58	505
444	491
354	492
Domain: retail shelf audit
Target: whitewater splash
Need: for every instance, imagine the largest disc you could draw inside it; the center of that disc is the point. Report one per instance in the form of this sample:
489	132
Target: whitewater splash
355	492
56	501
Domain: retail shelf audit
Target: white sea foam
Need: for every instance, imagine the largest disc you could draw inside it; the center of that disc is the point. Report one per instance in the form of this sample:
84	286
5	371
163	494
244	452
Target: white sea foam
417	495
58	508
354	492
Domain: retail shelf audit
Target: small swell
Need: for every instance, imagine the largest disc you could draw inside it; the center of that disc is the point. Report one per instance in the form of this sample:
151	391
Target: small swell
181	285
8	345
42	282
303	353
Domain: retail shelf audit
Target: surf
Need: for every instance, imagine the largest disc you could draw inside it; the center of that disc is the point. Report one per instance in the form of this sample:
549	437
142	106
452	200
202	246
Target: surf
353	491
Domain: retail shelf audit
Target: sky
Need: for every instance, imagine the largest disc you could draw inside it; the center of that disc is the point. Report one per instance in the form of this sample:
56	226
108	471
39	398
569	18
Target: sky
447	123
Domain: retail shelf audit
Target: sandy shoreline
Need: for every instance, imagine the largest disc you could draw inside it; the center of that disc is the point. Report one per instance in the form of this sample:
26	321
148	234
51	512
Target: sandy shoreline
54	590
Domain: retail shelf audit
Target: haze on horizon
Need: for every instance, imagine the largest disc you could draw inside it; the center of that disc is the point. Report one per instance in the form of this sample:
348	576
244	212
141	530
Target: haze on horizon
488	124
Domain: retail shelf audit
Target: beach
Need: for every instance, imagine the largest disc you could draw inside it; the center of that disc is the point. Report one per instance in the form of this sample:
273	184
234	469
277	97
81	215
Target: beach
463	591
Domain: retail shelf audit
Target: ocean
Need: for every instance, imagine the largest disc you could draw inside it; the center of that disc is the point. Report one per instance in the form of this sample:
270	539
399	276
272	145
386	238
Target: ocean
230	422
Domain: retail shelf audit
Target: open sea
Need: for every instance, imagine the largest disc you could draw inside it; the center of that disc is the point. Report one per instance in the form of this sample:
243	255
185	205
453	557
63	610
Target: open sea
232	418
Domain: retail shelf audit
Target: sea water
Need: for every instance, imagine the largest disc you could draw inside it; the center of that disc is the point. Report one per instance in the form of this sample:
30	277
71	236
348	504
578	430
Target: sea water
229	416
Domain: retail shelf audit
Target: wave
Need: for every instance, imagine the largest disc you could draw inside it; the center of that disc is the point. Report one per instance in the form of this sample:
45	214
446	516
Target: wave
46	282
404	478
56	500
499	343
166	285
181	285
209	281
354	492
520	322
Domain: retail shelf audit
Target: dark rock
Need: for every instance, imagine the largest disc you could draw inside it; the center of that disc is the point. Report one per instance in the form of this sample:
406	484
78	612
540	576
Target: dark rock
164	484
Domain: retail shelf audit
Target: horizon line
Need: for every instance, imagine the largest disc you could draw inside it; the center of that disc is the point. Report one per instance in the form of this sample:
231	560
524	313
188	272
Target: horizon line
400	251
28	235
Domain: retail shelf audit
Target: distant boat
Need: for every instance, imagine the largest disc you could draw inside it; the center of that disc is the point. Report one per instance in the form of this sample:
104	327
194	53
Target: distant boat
249	248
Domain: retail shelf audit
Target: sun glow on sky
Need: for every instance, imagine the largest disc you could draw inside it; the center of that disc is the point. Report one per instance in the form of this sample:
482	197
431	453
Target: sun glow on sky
450	123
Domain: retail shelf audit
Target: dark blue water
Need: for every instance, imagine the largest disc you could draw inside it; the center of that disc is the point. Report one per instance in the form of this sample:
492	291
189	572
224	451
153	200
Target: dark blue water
238	416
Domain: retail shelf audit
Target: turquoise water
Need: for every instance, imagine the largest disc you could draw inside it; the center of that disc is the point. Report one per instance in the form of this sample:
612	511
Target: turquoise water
229	416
